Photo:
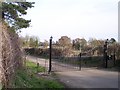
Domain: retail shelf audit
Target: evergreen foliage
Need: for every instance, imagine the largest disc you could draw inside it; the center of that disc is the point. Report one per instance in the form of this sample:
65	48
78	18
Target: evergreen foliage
12	12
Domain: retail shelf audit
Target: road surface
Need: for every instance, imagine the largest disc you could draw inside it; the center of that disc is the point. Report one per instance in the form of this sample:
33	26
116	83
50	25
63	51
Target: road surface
86	78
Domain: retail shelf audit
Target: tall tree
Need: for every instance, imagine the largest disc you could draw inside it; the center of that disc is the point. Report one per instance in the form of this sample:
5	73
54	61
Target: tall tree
112	46
26	41
66	46
45	43
95	43
77	42
30	41
12	12
65	41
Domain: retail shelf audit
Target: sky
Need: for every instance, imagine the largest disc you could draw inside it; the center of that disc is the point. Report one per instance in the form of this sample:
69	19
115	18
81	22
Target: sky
73	18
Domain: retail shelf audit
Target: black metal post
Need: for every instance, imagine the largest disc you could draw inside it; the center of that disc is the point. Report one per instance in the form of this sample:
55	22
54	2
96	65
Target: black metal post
105	54
106	60
80	62
114	56
50	55
80	58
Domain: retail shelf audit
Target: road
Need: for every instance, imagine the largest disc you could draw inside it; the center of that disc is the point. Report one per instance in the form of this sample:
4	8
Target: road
86	78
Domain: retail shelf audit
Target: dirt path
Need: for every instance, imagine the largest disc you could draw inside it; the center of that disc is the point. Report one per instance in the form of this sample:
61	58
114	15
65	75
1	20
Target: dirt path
87	78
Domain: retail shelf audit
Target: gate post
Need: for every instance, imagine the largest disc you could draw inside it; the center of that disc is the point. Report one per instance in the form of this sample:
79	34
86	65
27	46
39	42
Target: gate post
80	59
114	59
105	54
80	62
50	55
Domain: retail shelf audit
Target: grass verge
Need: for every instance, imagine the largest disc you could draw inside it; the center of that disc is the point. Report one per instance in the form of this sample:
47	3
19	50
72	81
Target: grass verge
28	78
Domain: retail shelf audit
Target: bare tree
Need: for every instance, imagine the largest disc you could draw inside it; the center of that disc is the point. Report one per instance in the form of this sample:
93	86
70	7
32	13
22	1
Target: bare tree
65	42
77	42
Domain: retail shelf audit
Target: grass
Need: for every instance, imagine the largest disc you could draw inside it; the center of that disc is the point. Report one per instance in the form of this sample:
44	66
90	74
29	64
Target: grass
33	68
29	79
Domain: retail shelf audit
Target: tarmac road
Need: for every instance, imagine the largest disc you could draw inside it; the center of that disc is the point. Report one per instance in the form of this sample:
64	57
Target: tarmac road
86	78
89	79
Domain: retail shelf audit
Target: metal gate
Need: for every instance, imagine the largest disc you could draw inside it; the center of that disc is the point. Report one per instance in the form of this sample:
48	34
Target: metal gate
60	61
76	63
66	63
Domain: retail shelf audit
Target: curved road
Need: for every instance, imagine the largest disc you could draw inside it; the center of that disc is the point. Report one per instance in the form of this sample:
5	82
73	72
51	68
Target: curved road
86	78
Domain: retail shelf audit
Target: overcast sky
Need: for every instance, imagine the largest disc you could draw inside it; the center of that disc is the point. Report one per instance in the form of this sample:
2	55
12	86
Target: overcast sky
73	18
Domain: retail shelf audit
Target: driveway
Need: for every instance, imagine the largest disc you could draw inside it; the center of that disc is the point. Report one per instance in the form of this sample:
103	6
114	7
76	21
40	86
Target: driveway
86	78
89	79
